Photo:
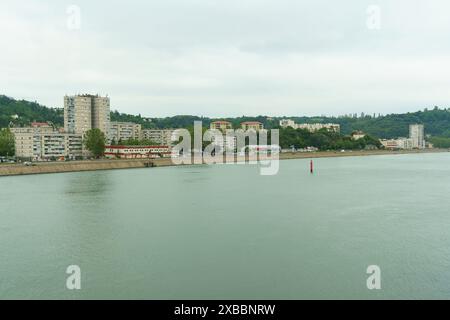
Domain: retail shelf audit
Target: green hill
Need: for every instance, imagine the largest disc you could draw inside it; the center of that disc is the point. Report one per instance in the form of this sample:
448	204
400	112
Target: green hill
22	112
436	120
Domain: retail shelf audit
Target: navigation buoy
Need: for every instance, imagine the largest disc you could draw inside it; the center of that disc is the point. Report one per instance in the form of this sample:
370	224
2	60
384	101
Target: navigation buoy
312	166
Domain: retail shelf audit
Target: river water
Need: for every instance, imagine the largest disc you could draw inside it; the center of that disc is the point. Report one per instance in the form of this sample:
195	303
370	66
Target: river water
226	232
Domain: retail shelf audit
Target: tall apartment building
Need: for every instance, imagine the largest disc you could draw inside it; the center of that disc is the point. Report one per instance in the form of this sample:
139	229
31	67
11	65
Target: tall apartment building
416	139
121	131
417	136
159	136
85	112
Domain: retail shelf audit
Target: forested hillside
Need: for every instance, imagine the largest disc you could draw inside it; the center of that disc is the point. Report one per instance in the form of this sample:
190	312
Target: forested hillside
21	112
436	120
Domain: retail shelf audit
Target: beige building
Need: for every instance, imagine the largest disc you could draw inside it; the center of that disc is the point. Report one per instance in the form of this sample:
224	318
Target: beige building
24	142
159	136
400	143
358	135
42	142
284	123
121	131
221	125
416	139
252	125
27	138
85	112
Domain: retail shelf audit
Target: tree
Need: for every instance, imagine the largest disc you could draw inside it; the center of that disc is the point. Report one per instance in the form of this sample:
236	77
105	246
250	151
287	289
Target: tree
6	143
94	141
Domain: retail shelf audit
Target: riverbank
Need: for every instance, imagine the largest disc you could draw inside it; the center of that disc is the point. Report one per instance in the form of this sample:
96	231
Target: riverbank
94	165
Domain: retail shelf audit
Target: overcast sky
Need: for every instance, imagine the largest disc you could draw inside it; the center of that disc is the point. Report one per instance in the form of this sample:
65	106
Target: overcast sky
229	58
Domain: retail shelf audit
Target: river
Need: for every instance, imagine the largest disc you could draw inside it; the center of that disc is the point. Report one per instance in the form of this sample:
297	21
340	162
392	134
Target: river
227	232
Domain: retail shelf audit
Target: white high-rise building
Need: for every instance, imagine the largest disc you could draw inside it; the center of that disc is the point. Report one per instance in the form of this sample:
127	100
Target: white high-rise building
417	136
86	112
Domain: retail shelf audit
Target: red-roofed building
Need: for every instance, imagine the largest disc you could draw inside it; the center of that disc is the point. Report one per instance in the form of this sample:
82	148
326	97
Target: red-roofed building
221	125
40	124
252	125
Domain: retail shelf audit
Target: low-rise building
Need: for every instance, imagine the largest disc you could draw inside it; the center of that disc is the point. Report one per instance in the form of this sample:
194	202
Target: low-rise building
137	152
311	127
314	127
358	135
400	143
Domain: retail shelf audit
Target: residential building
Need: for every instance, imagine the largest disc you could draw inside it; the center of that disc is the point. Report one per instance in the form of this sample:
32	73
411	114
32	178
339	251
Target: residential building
24	142
417	135
158	136
59	145
221	125
228	142
41	141
284	123
121	131
137	152
311	127
390	143
405	143
358	135
85	112
314	127
252	125
400	143
416	139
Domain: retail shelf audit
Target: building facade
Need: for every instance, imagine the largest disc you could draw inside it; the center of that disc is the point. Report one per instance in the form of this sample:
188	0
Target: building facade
227	143
42	142
252	125
311	127
416	139
284	123
122	131
221	125
137	152
86	112
358	135
158	136
417	135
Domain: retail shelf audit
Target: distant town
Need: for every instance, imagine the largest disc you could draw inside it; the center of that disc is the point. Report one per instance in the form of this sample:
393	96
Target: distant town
44	141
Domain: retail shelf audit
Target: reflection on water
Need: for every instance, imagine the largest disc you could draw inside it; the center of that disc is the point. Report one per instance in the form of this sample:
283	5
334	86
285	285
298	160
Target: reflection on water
88	183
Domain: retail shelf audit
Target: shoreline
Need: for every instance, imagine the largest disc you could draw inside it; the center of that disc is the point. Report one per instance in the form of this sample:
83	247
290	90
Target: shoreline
96	165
